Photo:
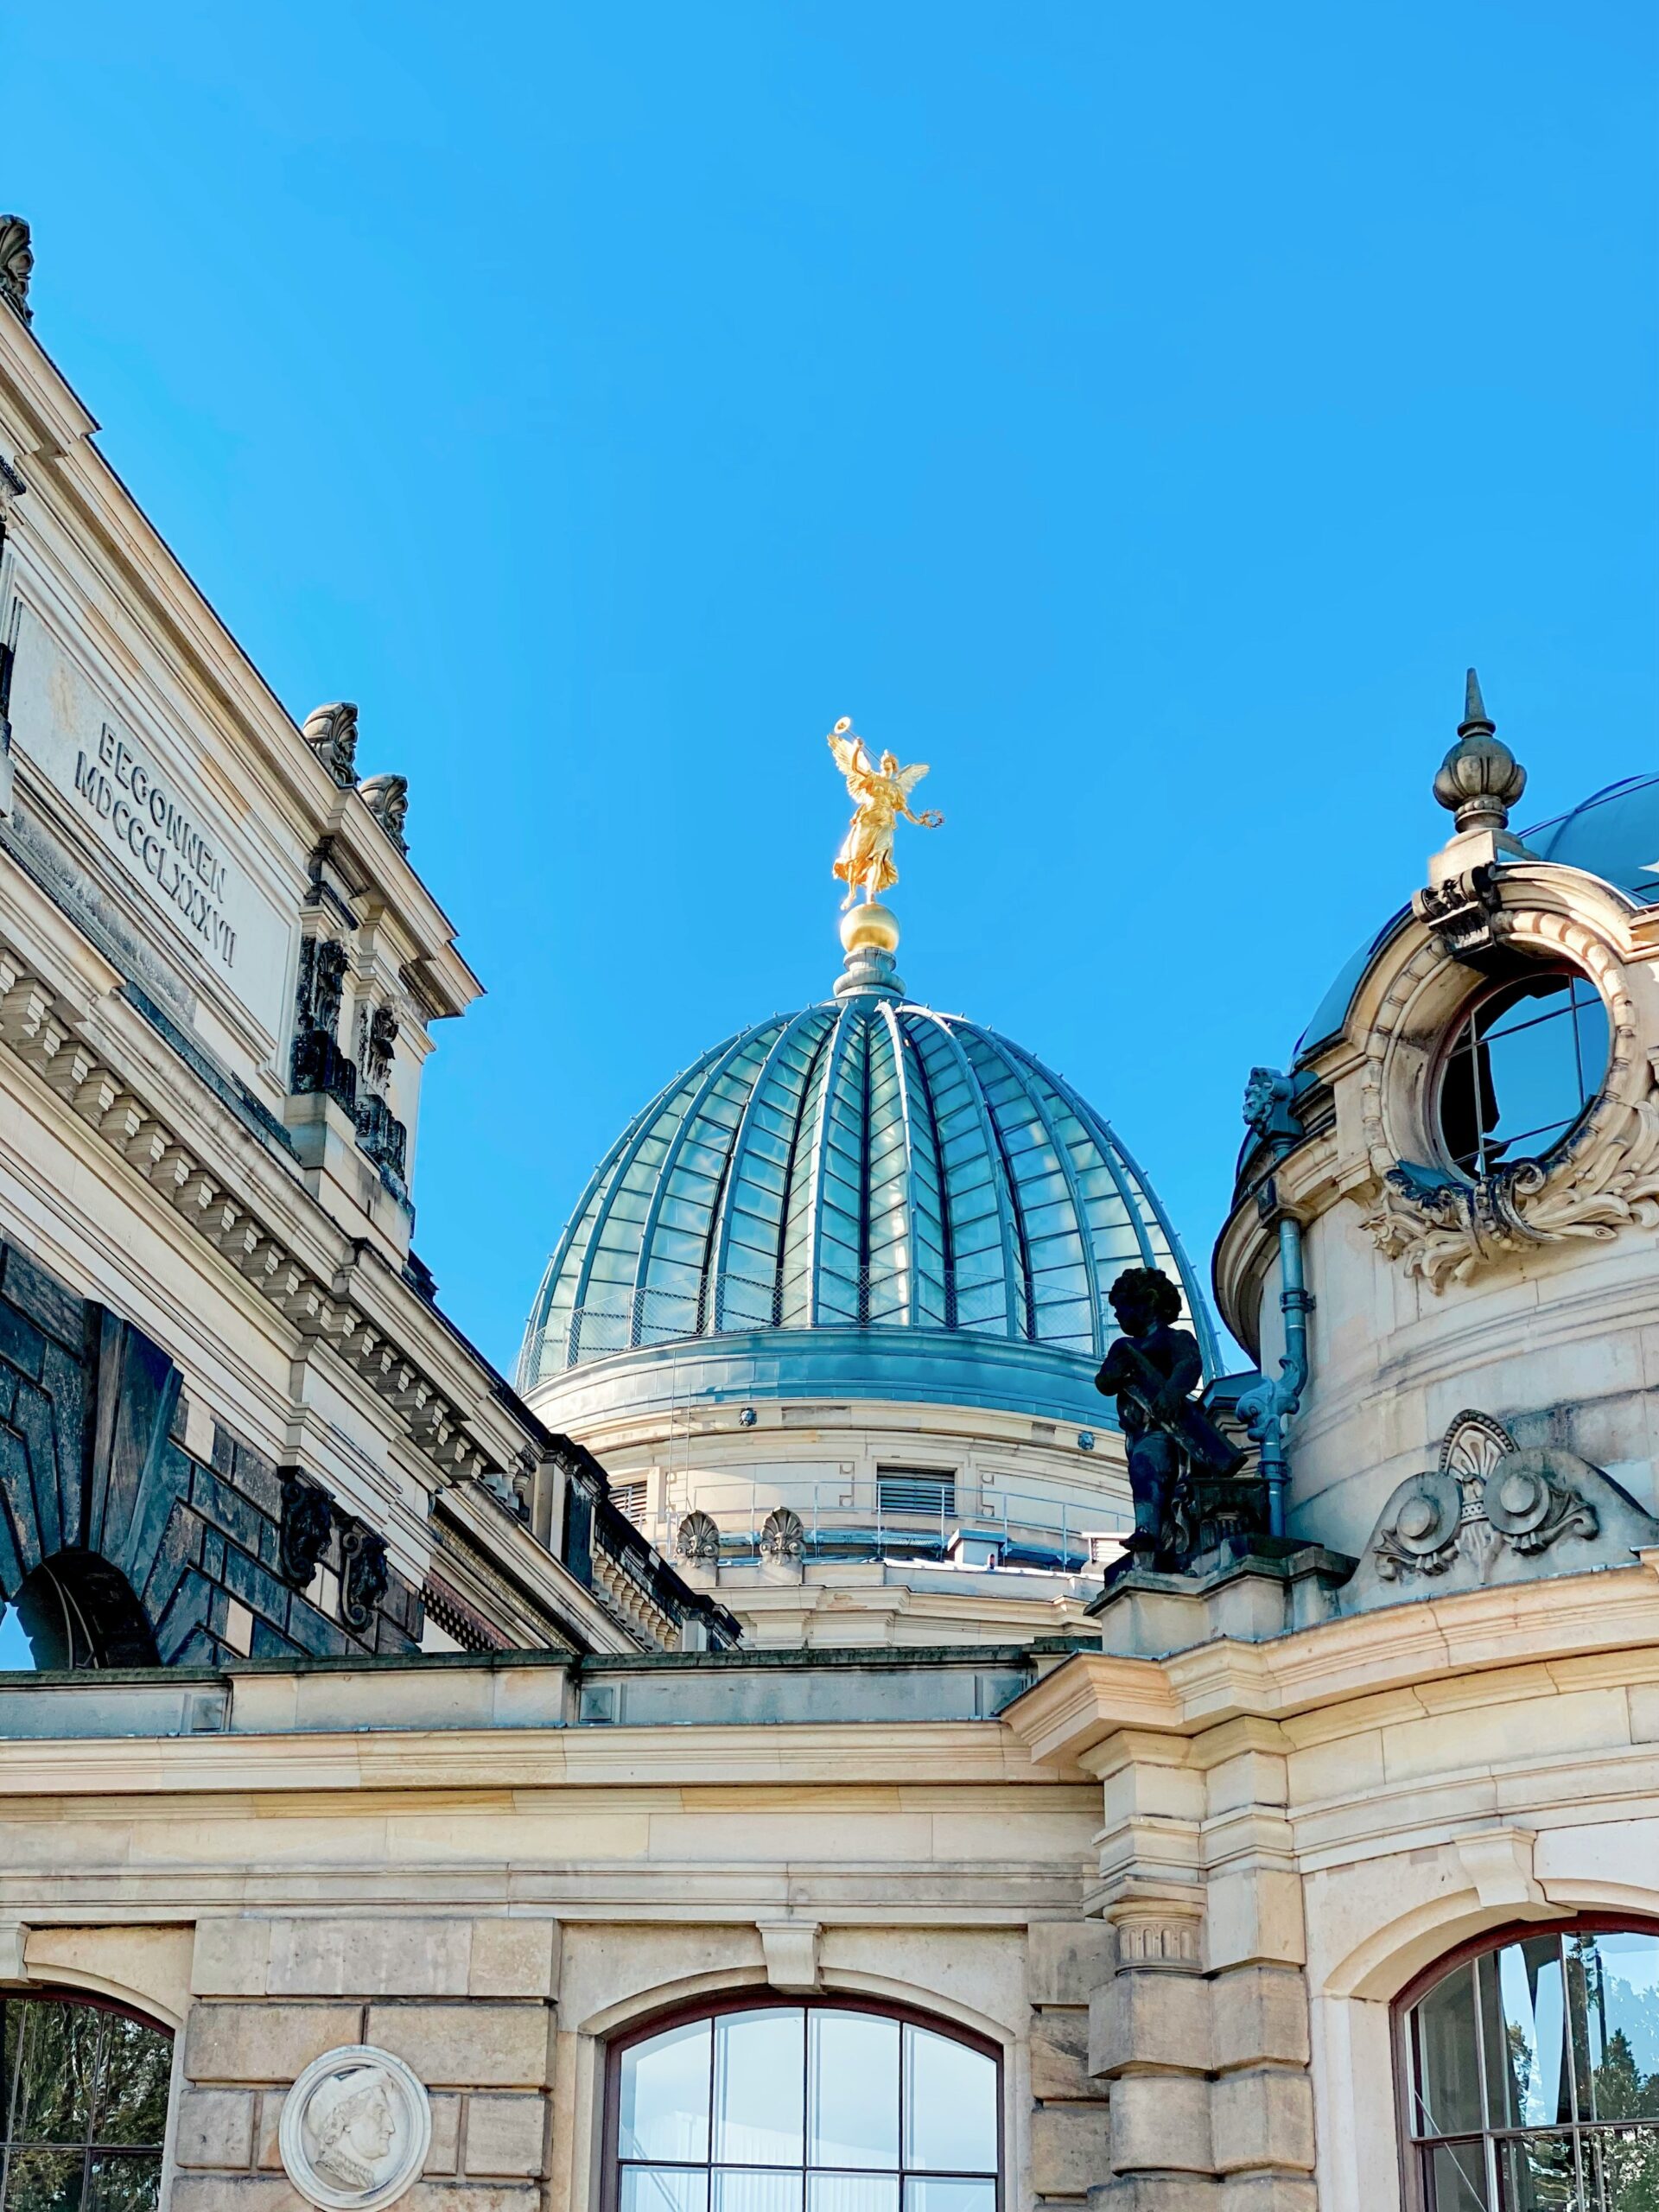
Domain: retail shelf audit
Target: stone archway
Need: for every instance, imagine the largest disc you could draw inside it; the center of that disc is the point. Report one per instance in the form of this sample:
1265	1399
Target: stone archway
79	1611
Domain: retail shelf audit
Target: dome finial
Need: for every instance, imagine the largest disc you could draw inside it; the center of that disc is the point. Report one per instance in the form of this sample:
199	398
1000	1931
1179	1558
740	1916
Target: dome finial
870	935
1480	779
1475	716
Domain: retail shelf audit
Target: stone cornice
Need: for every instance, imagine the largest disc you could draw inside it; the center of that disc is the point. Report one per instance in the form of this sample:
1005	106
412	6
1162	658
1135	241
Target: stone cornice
1331	1678
387	1761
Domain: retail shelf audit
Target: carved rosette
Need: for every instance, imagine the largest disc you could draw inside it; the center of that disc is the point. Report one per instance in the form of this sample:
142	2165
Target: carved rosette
1486	1494
1604	1178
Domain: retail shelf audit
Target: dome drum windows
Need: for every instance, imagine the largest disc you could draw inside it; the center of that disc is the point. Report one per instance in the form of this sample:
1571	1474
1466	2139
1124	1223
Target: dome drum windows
803	2108
1530	2077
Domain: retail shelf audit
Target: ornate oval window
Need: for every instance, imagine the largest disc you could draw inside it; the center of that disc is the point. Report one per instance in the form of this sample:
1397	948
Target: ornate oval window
1525	1063
1531	2076
818	2107
86	2105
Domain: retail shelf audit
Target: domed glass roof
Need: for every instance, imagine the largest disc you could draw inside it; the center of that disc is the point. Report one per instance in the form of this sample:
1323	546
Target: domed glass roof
866	1165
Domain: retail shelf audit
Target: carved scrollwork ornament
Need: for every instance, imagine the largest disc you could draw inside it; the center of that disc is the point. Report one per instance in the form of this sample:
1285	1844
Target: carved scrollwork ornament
16	266
698	1539
783	1536
1445	1227
1487	1494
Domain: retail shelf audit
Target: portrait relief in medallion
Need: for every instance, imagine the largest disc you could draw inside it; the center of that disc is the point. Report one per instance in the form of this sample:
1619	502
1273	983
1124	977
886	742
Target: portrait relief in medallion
355	2130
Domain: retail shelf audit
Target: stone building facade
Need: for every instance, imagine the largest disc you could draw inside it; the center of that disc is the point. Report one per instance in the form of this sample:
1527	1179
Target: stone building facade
689	1781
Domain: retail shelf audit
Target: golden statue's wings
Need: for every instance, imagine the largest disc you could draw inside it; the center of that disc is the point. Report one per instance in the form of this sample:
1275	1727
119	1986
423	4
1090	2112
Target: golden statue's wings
848	749
907	778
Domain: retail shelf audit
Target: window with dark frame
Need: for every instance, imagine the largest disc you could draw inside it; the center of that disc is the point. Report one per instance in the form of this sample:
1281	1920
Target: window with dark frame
86	2091
821	2108
1530	2075
1526	1062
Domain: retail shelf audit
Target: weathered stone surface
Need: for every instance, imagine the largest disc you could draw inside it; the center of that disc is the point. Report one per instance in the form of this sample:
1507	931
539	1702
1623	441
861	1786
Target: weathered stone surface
1260	2013
514	1958
1262	2117
263	2042
231	1958
369	1958
1155	2193
235	2193
215	2127
1070	2149
1160	2122
1060	2056
1266	2193
505	2135
467	2046
1149	2019
1066	1960
471	2196
1255	1914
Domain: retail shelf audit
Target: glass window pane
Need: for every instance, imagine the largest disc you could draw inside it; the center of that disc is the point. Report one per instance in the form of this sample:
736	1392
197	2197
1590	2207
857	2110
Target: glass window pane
661	2189
1447	2089
1456	2177
132	2086
45	2181
125	2184
950	2108
852	2193
760	2083
949	2196
1539	2175
1623	2166
57	2059
1616	1978
748	2191
665	2100
853	2084
1528	2079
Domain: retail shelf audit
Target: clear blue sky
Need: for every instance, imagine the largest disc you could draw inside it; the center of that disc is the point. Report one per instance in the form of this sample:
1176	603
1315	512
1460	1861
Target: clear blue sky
1141	414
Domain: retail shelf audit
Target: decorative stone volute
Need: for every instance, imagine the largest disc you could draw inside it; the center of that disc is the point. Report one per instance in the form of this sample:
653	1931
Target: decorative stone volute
16	265
331	732
387	800
1480	779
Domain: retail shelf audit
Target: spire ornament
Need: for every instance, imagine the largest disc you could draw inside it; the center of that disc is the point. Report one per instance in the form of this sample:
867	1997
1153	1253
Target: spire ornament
1480	779
869	933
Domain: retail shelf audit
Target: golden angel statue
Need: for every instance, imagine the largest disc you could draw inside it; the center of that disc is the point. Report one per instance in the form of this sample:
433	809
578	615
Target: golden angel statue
880	796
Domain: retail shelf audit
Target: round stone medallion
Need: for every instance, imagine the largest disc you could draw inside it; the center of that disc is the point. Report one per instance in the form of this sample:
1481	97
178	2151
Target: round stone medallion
355	2129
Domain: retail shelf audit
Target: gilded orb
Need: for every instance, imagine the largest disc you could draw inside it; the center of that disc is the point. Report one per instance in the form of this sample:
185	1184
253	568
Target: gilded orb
871	924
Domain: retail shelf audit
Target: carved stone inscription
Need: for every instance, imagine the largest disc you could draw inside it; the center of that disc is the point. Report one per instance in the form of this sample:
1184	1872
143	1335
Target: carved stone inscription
152	832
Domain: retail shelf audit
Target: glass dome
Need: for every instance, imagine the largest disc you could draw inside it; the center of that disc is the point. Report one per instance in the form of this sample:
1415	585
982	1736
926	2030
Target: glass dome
871	1172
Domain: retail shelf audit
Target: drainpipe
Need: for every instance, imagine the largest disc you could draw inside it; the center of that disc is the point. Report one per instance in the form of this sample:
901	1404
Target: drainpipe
1267	1410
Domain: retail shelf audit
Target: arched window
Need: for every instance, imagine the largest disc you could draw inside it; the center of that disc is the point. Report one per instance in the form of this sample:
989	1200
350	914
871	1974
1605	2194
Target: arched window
86	2105
1531	2076
821	2108
1523	1066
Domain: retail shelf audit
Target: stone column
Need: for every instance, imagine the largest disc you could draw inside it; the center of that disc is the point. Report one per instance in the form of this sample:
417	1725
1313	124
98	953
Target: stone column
1261	2103
1066	1960
1149	2026
1202	2032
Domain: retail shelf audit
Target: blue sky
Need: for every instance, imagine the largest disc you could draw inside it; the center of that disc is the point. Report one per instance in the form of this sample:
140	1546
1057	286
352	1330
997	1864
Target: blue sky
1143	414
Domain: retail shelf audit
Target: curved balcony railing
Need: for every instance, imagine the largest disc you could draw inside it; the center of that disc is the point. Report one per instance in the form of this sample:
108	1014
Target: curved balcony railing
857	1516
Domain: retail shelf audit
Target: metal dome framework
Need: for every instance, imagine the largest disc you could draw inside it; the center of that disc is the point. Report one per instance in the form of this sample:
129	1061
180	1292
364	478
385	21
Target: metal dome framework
864	1164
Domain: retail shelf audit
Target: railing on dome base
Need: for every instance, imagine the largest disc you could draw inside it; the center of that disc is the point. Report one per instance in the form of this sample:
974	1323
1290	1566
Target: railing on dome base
848	1518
